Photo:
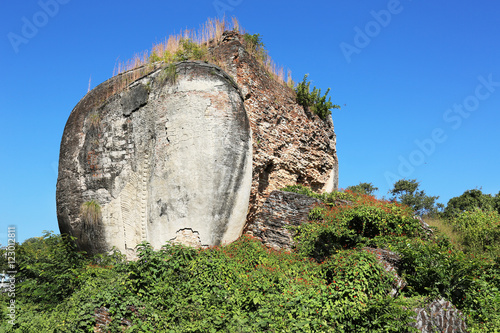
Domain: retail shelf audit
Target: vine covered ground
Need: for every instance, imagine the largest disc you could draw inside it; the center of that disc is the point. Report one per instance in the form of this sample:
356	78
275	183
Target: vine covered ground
328	283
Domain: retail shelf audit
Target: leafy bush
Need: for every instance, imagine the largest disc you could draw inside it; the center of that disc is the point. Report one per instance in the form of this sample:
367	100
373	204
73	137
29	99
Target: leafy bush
347	226
242	287
313	100
47	268
329	284
480	231
190	50
186	50
301	189
434	268
254	44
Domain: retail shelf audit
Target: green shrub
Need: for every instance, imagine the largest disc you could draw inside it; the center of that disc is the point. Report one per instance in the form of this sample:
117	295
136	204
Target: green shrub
312	100
246	287
47	269
187	50
363	188
301	189
154	57
434	268
480	231
254	45
346	226
362	286
254	42
242	287
190	50
407	193
356	275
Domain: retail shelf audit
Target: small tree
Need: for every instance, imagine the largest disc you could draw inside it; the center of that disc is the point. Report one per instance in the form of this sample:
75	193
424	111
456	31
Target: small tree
363	188
471	200
407	193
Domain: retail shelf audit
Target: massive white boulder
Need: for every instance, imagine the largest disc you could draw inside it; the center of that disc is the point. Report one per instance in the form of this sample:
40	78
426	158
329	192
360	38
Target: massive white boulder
167	157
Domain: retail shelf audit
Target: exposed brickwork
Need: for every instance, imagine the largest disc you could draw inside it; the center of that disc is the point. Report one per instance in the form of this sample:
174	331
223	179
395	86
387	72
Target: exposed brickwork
187	237
280	210
290	145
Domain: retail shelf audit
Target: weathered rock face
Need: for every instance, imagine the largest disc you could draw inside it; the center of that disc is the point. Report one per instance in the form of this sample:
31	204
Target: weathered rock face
280	211
190	158
440	316
168	157
290	146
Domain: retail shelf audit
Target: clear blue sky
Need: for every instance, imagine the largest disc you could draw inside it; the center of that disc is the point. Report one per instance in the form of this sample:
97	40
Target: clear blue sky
420	81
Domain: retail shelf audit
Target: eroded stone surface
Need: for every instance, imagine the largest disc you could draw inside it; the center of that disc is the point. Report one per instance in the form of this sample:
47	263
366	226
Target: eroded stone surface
290	145
127	149
440	316
280	211
164	154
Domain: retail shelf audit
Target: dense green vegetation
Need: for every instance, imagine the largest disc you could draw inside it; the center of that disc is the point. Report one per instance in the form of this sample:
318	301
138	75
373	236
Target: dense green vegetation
327	284
471	200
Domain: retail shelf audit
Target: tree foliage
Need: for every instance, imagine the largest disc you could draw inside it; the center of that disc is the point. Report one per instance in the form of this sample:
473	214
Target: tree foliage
363	188
47	267
471	200
407	193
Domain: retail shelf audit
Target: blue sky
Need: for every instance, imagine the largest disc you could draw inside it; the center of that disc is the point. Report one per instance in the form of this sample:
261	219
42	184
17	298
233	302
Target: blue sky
420	81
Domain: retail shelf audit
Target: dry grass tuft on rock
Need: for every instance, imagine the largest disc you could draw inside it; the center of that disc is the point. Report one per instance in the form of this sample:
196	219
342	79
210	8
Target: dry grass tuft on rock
194	45
91	212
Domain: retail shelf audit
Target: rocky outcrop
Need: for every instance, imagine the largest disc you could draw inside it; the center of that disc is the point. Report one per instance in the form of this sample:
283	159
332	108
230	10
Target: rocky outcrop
439	316
171	151
186	153
290	145
280	211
